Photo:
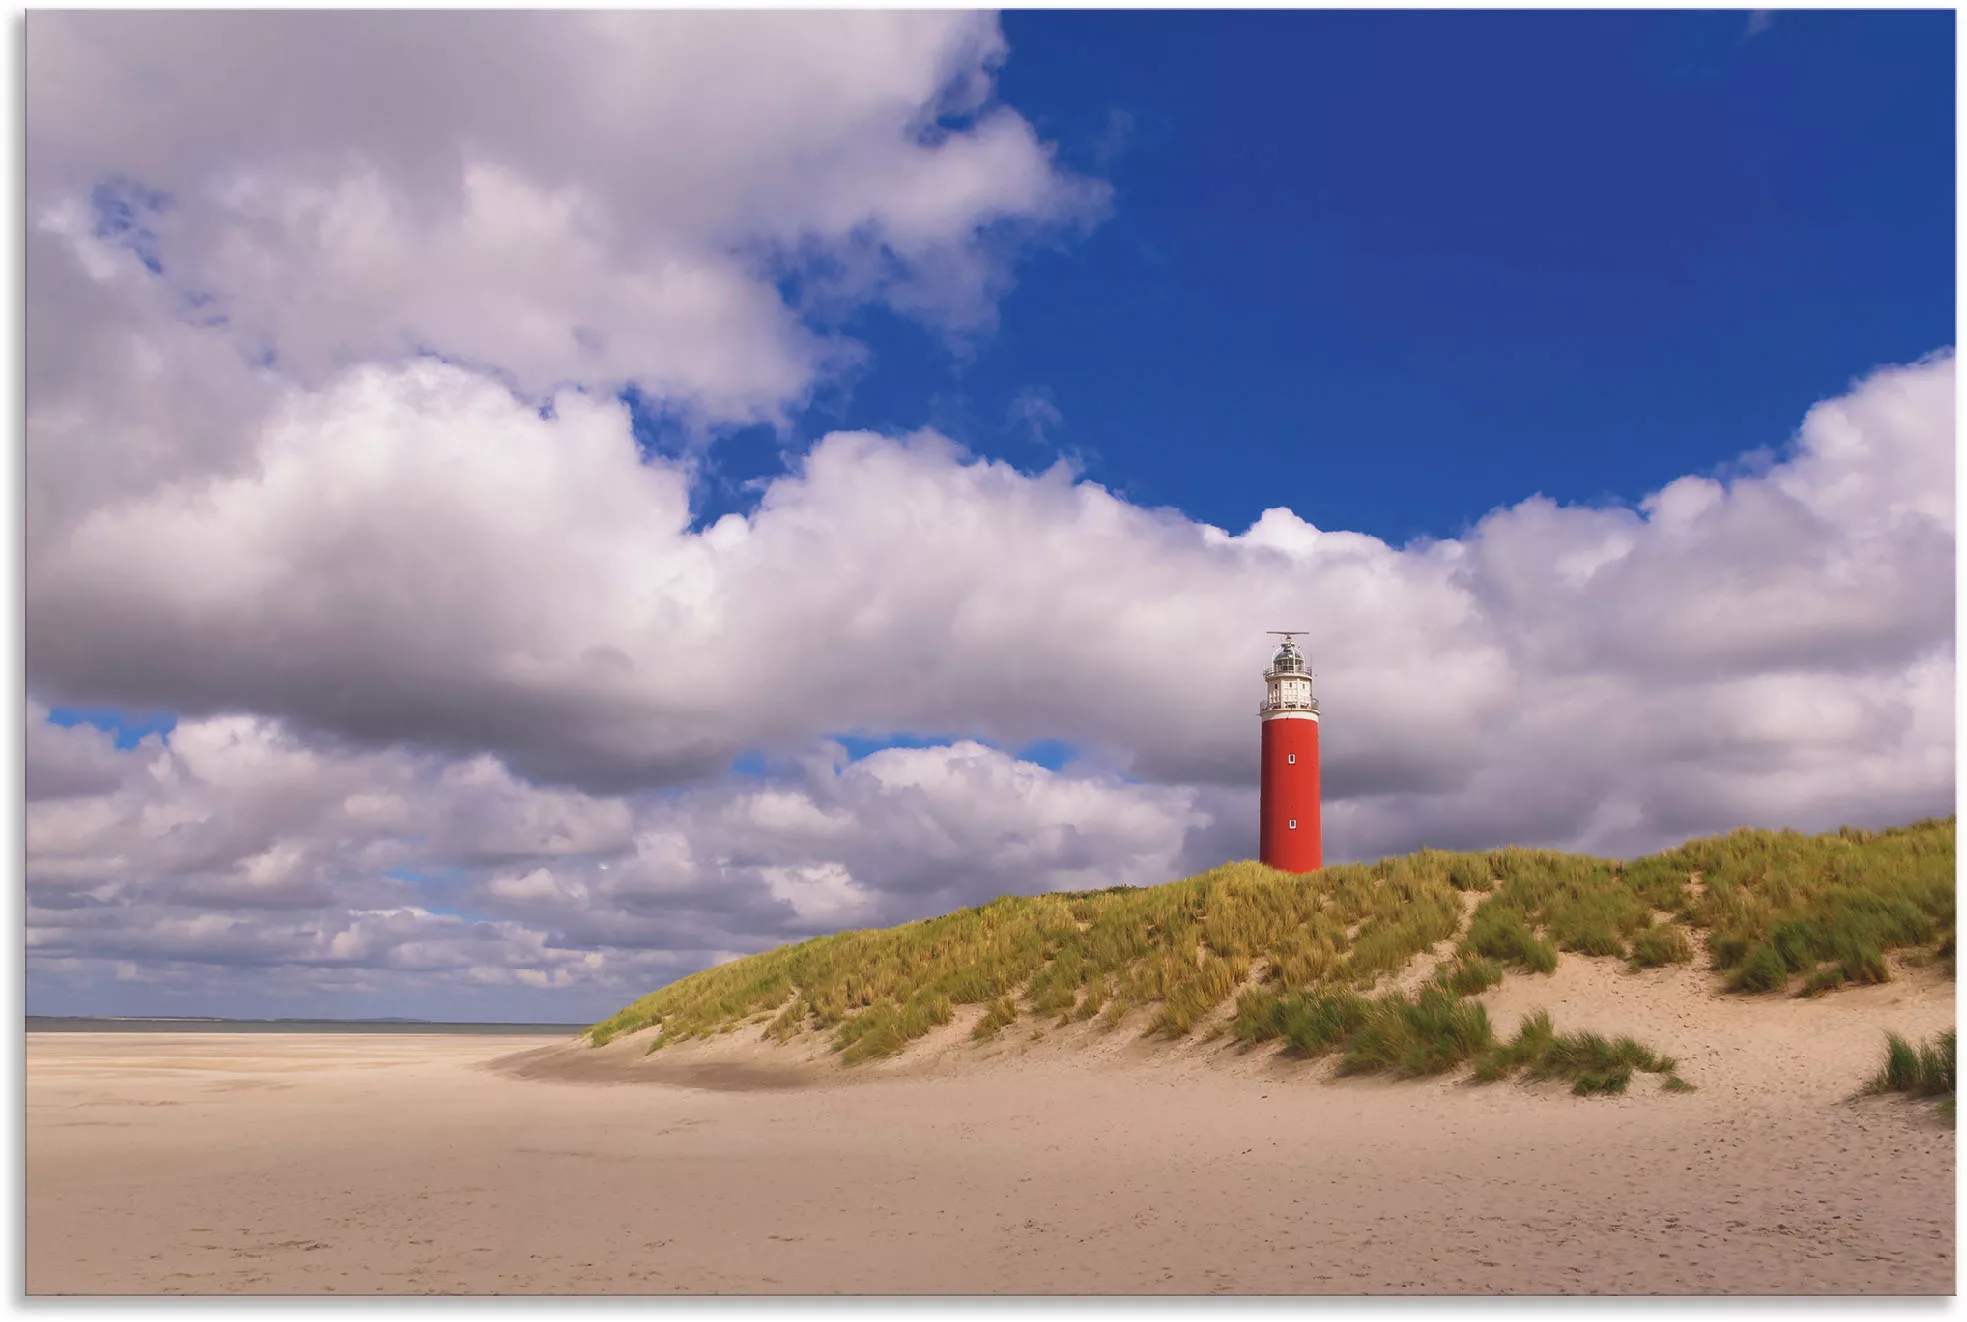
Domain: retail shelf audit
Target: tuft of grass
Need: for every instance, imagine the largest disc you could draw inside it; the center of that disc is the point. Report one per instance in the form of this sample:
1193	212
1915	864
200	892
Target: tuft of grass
1859	960
1470	872
1311	1024
1094	999
1762	970
1828	978
1902	1072
1533	1039
1925	1070
1470	976
1387	941
1429	1034
1500	931
885	1027
789	1021
1317	1023
1572	1055
1189	998
1259	1016
1660	945
1593	1083
1595	1064
1001	1014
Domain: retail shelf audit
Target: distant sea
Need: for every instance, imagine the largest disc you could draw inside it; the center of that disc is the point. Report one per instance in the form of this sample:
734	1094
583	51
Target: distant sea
39	1023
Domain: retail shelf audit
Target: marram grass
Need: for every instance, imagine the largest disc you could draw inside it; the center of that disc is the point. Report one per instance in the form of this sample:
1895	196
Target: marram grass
1926	1070
1299	956
1591	1062
1180	950
1660	945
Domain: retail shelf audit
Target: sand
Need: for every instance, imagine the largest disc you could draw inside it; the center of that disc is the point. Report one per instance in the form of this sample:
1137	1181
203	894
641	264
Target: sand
212	1163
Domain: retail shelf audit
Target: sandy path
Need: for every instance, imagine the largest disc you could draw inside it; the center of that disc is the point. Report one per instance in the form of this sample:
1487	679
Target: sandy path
229	1163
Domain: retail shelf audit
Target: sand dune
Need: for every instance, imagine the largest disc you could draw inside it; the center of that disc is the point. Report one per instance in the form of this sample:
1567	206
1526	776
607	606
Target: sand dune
1077	1162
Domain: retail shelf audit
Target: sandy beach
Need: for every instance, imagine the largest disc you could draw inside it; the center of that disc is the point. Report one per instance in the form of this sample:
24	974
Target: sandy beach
1075	1162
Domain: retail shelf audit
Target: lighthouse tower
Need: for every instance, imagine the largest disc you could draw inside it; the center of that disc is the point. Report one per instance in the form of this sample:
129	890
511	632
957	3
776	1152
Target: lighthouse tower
1290	837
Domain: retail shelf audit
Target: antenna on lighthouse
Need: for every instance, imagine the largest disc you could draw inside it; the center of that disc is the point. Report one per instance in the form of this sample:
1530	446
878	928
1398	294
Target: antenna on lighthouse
1290	636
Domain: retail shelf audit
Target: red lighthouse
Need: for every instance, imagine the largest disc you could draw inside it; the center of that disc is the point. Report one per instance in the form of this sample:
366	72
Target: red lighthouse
1290	839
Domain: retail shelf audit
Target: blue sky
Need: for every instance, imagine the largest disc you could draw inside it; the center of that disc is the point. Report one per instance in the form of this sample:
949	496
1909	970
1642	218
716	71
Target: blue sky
1394	270
362	681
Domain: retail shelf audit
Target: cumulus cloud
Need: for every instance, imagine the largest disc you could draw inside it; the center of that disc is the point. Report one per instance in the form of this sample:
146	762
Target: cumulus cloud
235	851
608	197
416	554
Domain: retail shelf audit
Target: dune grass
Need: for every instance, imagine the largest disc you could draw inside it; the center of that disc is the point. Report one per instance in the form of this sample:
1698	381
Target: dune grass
1001	1014
1501	932
1829	907
1469	975
886	1026
1925	1070
1593	1063
1297	954
1311	1023
1429	1033
1435	1032
1181	949
1775	904
1661	945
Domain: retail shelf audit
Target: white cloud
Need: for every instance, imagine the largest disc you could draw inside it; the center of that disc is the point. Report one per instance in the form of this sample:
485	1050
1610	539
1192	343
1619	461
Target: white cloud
820	893
565	197
416	555
216	859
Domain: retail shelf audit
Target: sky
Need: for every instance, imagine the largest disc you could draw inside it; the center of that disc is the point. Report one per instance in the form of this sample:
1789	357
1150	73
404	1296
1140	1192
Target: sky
629	490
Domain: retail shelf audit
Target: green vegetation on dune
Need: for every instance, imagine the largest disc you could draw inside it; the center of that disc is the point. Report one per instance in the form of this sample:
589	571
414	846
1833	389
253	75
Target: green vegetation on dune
1591	1062
1918	1071
1430	1033
1296	954
1311	1023
1469	975
1001	1014
1181	948
1828	907
1660	945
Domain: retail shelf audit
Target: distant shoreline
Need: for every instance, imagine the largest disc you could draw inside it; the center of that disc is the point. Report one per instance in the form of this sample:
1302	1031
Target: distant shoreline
38	1023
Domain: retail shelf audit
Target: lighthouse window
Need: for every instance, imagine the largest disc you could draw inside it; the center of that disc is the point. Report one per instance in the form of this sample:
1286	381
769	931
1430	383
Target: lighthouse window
1294	823
1291	757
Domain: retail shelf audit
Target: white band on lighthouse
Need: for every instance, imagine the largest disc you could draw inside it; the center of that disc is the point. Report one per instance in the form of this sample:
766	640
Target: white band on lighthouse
1290	715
